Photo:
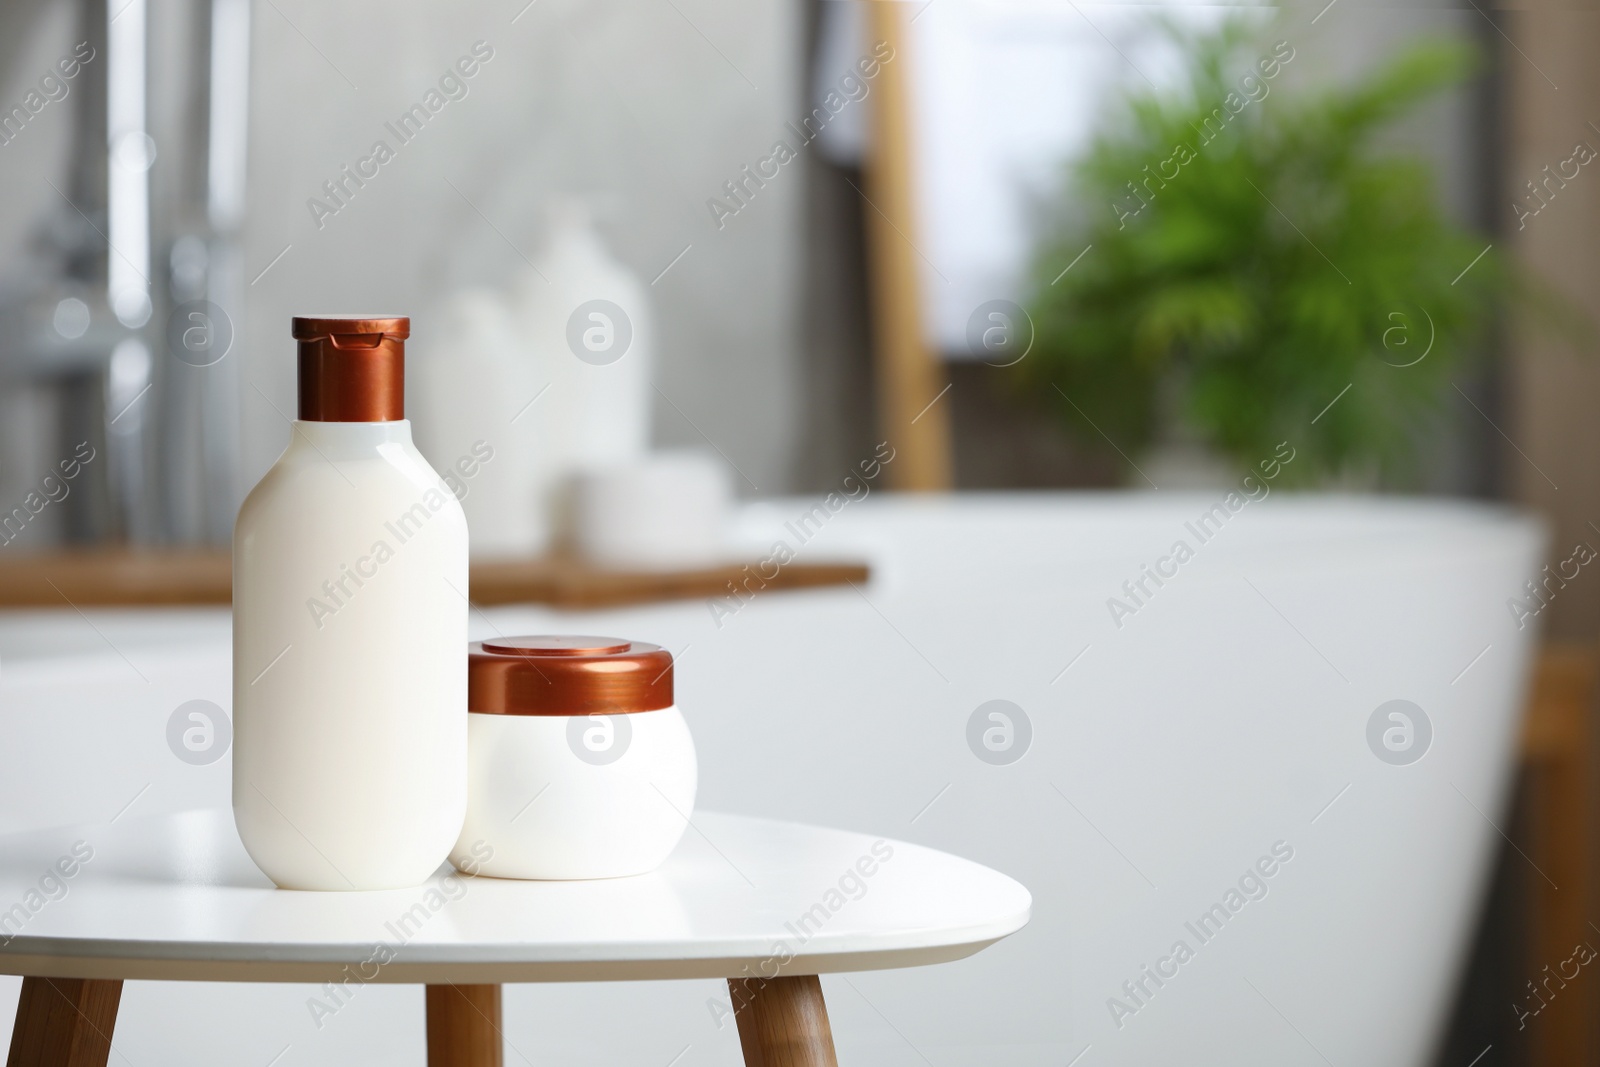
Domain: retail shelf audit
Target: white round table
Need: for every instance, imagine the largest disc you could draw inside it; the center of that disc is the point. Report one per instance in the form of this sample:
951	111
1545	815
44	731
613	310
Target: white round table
767	905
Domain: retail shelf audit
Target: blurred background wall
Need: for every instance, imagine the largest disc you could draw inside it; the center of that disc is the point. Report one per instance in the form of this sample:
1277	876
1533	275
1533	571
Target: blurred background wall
763	334
1550	86
647	111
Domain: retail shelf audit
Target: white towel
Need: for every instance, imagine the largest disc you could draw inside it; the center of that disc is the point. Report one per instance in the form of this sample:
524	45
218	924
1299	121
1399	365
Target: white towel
1004	95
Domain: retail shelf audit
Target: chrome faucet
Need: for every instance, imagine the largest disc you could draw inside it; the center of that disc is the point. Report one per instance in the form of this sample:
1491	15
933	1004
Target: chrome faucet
124	319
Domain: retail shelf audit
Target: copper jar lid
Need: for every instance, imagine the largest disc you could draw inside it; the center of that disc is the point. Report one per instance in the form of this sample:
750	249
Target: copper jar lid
352	368
567	675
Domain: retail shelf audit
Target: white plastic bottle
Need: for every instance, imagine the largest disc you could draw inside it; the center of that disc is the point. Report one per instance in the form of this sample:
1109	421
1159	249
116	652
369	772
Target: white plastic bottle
588	325
349	613
478	393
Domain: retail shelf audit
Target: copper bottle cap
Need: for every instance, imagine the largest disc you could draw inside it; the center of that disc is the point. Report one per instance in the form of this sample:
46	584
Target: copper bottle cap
566	675
352	369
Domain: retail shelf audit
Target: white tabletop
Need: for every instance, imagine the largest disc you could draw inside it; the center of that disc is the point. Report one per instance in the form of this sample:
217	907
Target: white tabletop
176	897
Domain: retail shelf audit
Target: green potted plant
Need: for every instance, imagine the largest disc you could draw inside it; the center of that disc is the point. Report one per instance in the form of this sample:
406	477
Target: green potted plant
1256	269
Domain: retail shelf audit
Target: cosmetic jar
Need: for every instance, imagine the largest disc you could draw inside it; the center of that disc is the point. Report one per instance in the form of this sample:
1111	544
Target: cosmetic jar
579	763
670	510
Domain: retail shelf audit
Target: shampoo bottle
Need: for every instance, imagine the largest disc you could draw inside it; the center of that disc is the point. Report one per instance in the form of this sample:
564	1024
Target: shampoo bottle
481	407
349	613
588	326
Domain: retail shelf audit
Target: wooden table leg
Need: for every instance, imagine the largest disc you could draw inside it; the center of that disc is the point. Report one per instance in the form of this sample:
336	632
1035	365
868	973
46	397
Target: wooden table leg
783	1022
64	1022
464	1026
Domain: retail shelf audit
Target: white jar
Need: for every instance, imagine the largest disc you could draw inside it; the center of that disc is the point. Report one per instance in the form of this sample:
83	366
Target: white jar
670	510
349	611
579	764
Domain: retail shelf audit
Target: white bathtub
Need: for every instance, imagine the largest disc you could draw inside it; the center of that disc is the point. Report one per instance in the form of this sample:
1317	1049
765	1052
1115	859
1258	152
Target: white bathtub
1225	716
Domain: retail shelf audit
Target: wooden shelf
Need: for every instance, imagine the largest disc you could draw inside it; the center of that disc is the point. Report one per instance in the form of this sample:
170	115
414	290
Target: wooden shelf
115	579
570	583
127	578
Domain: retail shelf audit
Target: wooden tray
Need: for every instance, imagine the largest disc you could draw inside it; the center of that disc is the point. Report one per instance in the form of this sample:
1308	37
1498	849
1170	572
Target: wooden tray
127	578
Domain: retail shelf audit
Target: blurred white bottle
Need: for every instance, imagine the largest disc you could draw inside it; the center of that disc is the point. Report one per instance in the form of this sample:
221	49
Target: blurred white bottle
586	320
478	392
